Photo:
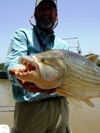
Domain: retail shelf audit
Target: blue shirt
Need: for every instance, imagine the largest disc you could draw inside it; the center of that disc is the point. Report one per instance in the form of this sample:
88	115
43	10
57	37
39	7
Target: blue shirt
27	42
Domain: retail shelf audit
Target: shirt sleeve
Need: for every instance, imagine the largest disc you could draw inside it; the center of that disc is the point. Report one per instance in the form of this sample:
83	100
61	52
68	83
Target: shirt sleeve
61	44
18	47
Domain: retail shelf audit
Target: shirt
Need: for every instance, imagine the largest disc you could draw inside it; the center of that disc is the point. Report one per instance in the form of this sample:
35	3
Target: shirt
27	42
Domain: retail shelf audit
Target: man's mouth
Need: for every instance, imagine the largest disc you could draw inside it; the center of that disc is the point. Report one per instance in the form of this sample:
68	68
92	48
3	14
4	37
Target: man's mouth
45	17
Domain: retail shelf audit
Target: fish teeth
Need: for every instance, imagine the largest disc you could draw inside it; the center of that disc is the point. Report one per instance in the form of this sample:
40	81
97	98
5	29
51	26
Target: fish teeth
20	59
28	70
24	62
28	64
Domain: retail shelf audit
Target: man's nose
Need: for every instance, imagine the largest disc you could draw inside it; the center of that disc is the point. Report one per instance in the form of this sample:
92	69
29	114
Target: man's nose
46	9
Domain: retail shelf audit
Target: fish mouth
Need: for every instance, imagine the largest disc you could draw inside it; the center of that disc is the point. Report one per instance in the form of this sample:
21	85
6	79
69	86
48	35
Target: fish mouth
29	63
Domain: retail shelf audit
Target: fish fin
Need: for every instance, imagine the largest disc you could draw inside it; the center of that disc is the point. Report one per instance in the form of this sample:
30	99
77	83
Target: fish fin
93	58
89	102
63	93
66	94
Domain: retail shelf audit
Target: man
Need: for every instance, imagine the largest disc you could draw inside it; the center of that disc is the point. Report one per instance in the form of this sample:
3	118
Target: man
35	110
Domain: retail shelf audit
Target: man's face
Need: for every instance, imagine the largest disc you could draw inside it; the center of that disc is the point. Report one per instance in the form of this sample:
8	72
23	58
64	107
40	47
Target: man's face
45	16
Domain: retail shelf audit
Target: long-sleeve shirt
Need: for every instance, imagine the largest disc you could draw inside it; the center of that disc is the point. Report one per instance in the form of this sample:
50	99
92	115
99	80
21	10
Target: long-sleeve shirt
27	42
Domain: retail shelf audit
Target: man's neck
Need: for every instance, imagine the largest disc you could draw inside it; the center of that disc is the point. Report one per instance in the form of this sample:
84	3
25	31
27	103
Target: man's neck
48	32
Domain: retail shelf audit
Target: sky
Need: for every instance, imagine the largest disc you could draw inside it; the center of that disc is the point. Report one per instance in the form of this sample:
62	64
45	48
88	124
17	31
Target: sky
77	19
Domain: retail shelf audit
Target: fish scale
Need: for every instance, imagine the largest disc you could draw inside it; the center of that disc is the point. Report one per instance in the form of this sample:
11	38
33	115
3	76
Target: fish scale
81	76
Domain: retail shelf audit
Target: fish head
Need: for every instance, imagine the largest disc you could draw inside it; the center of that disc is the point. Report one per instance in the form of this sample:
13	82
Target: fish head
49	69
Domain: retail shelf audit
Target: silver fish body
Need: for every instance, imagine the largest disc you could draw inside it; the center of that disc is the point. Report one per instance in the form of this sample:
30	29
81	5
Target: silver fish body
74	75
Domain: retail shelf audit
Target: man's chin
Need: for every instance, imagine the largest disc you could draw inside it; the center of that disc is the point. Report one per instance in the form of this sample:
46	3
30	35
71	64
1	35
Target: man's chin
46	27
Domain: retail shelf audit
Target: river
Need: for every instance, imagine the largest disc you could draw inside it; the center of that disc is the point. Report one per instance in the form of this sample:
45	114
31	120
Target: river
83	119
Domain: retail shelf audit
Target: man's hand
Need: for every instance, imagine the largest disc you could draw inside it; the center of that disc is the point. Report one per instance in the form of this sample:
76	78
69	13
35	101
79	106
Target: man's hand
19	69
13	71
33	88
30	87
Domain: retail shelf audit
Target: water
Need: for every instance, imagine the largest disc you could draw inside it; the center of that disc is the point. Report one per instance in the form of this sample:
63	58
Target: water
6	103
83	119
6	99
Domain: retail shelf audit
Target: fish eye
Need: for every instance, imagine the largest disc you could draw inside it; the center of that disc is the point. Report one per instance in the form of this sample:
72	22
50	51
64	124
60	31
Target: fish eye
42	60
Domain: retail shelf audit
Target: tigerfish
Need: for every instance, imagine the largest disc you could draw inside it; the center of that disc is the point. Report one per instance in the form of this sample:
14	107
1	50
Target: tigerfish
73	75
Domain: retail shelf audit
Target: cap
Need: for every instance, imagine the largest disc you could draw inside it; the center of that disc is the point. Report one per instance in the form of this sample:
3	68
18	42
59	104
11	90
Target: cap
54	2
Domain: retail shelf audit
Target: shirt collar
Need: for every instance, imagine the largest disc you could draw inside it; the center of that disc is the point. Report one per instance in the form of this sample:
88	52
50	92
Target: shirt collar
43	35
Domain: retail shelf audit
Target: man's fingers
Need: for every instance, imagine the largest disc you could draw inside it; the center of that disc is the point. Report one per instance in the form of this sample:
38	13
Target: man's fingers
12	72
17	69
30	87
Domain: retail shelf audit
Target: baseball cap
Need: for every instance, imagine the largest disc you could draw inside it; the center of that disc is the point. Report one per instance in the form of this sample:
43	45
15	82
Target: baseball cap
53	2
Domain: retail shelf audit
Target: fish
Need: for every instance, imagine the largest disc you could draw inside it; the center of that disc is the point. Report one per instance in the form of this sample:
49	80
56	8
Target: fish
75	76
